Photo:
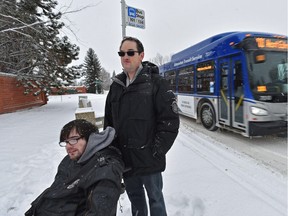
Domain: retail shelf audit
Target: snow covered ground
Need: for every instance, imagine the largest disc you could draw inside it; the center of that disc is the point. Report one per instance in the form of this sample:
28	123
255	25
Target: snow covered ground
203	177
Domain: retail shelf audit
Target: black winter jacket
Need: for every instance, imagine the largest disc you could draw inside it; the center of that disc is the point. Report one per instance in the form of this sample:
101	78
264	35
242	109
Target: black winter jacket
145	117
91	187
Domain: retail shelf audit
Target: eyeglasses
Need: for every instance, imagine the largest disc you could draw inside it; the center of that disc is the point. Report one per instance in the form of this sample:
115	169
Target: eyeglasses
129	53
71	141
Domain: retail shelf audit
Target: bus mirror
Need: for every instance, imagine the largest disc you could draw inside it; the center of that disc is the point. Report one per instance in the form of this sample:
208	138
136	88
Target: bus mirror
259	56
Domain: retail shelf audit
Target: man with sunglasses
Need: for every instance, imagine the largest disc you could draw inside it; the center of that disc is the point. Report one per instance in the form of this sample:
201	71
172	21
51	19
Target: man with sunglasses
143	110
88	181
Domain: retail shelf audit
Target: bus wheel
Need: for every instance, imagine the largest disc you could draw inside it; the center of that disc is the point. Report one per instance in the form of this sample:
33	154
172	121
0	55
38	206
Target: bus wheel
207	116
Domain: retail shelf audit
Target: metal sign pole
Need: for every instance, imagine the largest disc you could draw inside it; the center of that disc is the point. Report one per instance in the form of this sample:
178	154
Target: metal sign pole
123	10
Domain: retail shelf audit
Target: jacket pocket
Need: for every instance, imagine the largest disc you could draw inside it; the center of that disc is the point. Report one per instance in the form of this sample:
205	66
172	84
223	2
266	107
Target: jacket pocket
140	153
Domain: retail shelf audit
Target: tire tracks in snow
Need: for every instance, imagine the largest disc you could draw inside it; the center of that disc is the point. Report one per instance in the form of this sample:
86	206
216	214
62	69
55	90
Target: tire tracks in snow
242	169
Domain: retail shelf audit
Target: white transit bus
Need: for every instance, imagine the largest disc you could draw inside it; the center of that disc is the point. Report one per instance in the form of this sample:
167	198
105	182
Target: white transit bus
234	80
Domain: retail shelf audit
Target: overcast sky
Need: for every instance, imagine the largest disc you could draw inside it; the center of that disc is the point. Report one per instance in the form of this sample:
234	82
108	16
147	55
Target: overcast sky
170	25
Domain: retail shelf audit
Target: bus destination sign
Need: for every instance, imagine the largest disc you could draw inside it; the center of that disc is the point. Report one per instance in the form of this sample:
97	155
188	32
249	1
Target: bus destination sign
272	43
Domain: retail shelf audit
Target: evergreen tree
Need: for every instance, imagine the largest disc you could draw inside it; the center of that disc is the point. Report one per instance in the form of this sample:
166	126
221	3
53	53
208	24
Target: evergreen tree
32	47
7	38
92	70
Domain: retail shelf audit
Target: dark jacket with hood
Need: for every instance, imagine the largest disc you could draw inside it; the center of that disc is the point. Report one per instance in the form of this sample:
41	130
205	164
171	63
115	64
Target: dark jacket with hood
145	116
90	186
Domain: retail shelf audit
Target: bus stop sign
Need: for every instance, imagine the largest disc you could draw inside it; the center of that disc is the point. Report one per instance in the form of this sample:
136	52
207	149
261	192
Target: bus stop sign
135	17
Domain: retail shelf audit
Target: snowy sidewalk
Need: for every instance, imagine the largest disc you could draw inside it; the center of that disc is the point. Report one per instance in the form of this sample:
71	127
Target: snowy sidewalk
203	178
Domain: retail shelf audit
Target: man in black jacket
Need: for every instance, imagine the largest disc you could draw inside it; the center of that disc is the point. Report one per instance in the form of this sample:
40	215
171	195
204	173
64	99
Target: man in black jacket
88	181
143	110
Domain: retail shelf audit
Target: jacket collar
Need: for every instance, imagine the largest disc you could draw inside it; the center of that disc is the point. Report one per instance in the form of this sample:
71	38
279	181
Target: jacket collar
97	142
148	69
128	81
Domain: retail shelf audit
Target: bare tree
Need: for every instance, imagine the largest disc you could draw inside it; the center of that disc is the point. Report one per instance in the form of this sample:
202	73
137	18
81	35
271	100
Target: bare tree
160	60
106	79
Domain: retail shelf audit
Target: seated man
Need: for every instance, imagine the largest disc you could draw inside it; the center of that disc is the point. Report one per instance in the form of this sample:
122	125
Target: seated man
88	181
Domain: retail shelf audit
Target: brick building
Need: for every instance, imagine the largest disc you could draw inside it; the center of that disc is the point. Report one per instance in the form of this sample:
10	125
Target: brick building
12	97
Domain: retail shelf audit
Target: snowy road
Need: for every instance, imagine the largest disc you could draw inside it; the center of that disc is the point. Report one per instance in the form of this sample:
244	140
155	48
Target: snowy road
270	151
247	175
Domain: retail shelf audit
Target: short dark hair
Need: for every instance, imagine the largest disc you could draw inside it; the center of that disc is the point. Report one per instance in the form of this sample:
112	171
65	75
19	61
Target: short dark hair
140	46
83	127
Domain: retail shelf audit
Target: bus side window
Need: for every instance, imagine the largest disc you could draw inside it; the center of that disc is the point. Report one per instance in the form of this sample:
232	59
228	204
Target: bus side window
205	77
186	80
171	78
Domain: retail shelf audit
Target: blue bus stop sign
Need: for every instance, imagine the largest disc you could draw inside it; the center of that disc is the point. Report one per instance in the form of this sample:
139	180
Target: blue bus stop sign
135	17
131	12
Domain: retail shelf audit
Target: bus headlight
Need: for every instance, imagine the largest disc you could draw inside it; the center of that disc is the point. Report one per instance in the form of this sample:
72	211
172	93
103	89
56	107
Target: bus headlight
258	111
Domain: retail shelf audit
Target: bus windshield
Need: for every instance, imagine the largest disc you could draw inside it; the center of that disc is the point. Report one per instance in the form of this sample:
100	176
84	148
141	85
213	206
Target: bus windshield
268	79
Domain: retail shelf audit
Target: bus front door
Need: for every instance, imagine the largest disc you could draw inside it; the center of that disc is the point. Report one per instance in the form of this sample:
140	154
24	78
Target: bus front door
231	93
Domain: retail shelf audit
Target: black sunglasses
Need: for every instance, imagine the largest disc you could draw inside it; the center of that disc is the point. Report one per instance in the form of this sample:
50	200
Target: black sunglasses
129	53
